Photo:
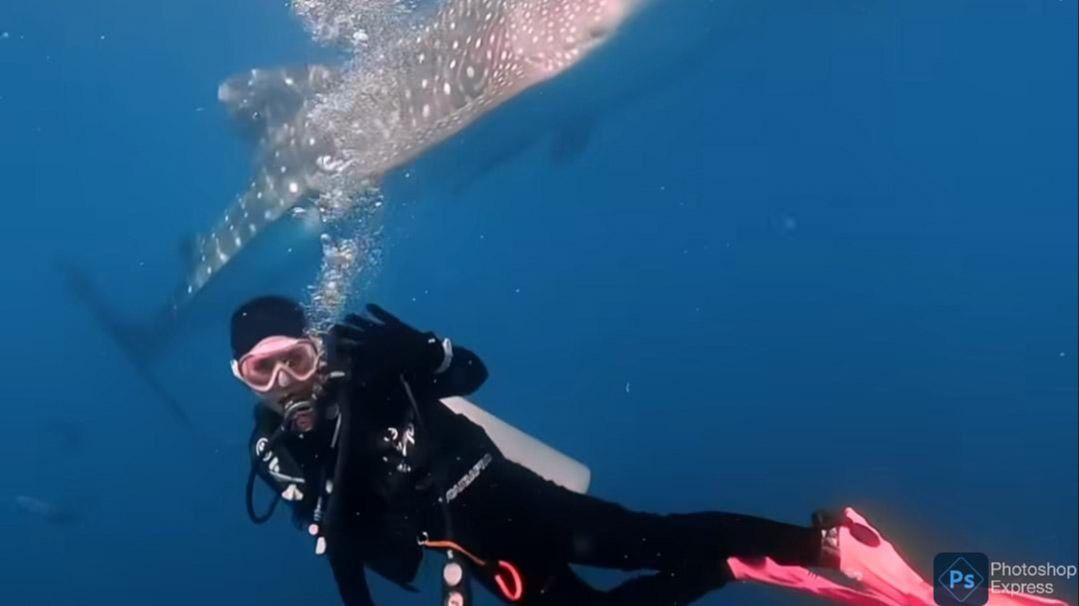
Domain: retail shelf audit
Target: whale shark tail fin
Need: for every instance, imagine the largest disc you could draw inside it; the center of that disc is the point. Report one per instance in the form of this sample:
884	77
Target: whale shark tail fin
140	343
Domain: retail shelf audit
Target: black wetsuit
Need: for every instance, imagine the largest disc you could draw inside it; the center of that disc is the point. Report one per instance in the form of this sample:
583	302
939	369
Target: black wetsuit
404	454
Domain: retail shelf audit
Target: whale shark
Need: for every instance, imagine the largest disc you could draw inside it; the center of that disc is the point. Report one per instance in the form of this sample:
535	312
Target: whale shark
330	133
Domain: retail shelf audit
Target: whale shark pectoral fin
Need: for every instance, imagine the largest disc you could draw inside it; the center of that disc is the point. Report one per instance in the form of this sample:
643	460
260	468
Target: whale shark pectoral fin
272	195
572	140
263	99
462	180
268	105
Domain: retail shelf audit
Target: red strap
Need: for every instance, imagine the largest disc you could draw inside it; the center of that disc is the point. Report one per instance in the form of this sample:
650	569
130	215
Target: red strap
512	590
516	588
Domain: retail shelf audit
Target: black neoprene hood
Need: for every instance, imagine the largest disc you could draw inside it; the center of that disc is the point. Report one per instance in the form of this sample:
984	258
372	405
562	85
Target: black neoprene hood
269	316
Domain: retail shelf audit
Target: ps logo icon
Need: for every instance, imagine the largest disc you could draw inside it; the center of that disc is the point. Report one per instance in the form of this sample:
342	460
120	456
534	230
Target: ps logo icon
961	579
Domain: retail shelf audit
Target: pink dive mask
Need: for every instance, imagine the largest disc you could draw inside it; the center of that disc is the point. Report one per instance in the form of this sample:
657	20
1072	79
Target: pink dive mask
277	363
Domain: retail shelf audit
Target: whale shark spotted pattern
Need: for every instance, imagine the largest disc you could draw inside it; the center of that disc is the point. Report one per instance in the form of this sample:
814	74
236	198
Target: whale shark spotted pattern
322	131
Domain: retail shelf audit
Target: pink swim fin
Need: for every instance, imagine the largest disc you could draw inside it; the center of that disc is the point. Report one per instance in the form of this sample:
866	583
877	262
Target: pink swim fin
875	574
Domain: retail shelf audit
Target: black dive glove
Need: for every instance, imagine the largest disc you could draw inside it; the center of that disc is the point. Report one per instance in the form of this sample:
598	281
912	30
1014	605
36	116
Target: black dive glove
381	344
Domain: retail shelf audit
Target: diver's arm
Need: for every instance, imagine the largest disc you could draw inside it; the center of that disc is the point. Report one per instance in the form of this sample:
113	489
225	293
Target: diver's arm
383	347
349	574
459	373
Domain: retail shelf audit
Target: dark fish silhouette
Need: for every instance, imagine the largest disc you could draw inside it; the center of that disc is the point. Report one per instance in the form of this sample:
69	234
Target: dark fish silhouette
49	512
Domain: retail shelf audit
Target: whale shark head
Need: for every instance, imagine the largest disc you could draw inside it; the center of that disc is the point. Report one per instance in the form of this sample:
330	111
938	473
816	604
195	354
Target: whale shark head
554	35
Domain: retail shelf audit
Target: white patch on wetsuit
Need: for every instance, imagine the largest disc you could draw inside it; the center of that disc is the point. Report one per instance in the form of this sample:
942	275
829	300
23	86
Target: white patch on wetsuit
292	493
401	440
273	464
468	478
260	447
447	357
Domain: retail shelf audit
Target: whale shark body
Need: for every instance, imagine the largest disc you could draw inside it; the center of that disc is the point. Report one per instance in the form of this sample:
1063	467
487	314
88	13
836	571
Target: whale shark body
330	134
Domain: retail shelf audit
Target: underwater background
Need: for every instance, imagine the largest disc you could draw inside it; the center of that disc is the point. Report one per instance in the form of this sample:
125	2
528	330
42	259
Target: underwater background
762	257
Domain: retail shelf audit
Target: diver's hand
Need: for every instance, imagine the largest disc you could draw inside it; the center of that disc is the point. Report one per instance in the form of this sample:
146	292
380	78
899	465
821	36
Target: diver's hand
382	344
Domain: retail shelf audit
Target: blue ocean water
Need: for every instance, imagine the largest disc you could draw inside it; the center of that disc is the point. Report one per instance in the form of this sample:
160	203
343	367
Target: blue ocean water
772	257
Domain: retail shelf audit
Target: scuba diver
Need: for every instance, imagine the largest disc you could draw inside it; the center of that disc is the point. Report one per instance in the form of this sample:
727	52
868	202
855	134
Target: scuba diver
351	432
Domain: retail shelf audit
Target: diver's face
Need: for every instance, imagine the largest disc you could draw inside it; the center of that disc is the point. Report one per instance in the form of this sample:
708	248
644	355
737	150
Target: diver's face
283	373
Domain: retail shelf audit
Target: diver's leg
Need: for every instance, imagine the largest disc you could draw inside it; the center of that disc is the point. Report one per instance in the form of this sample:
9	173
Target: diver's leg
689	551
547	583
609	535
510	513
524	516
556	584
669	588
